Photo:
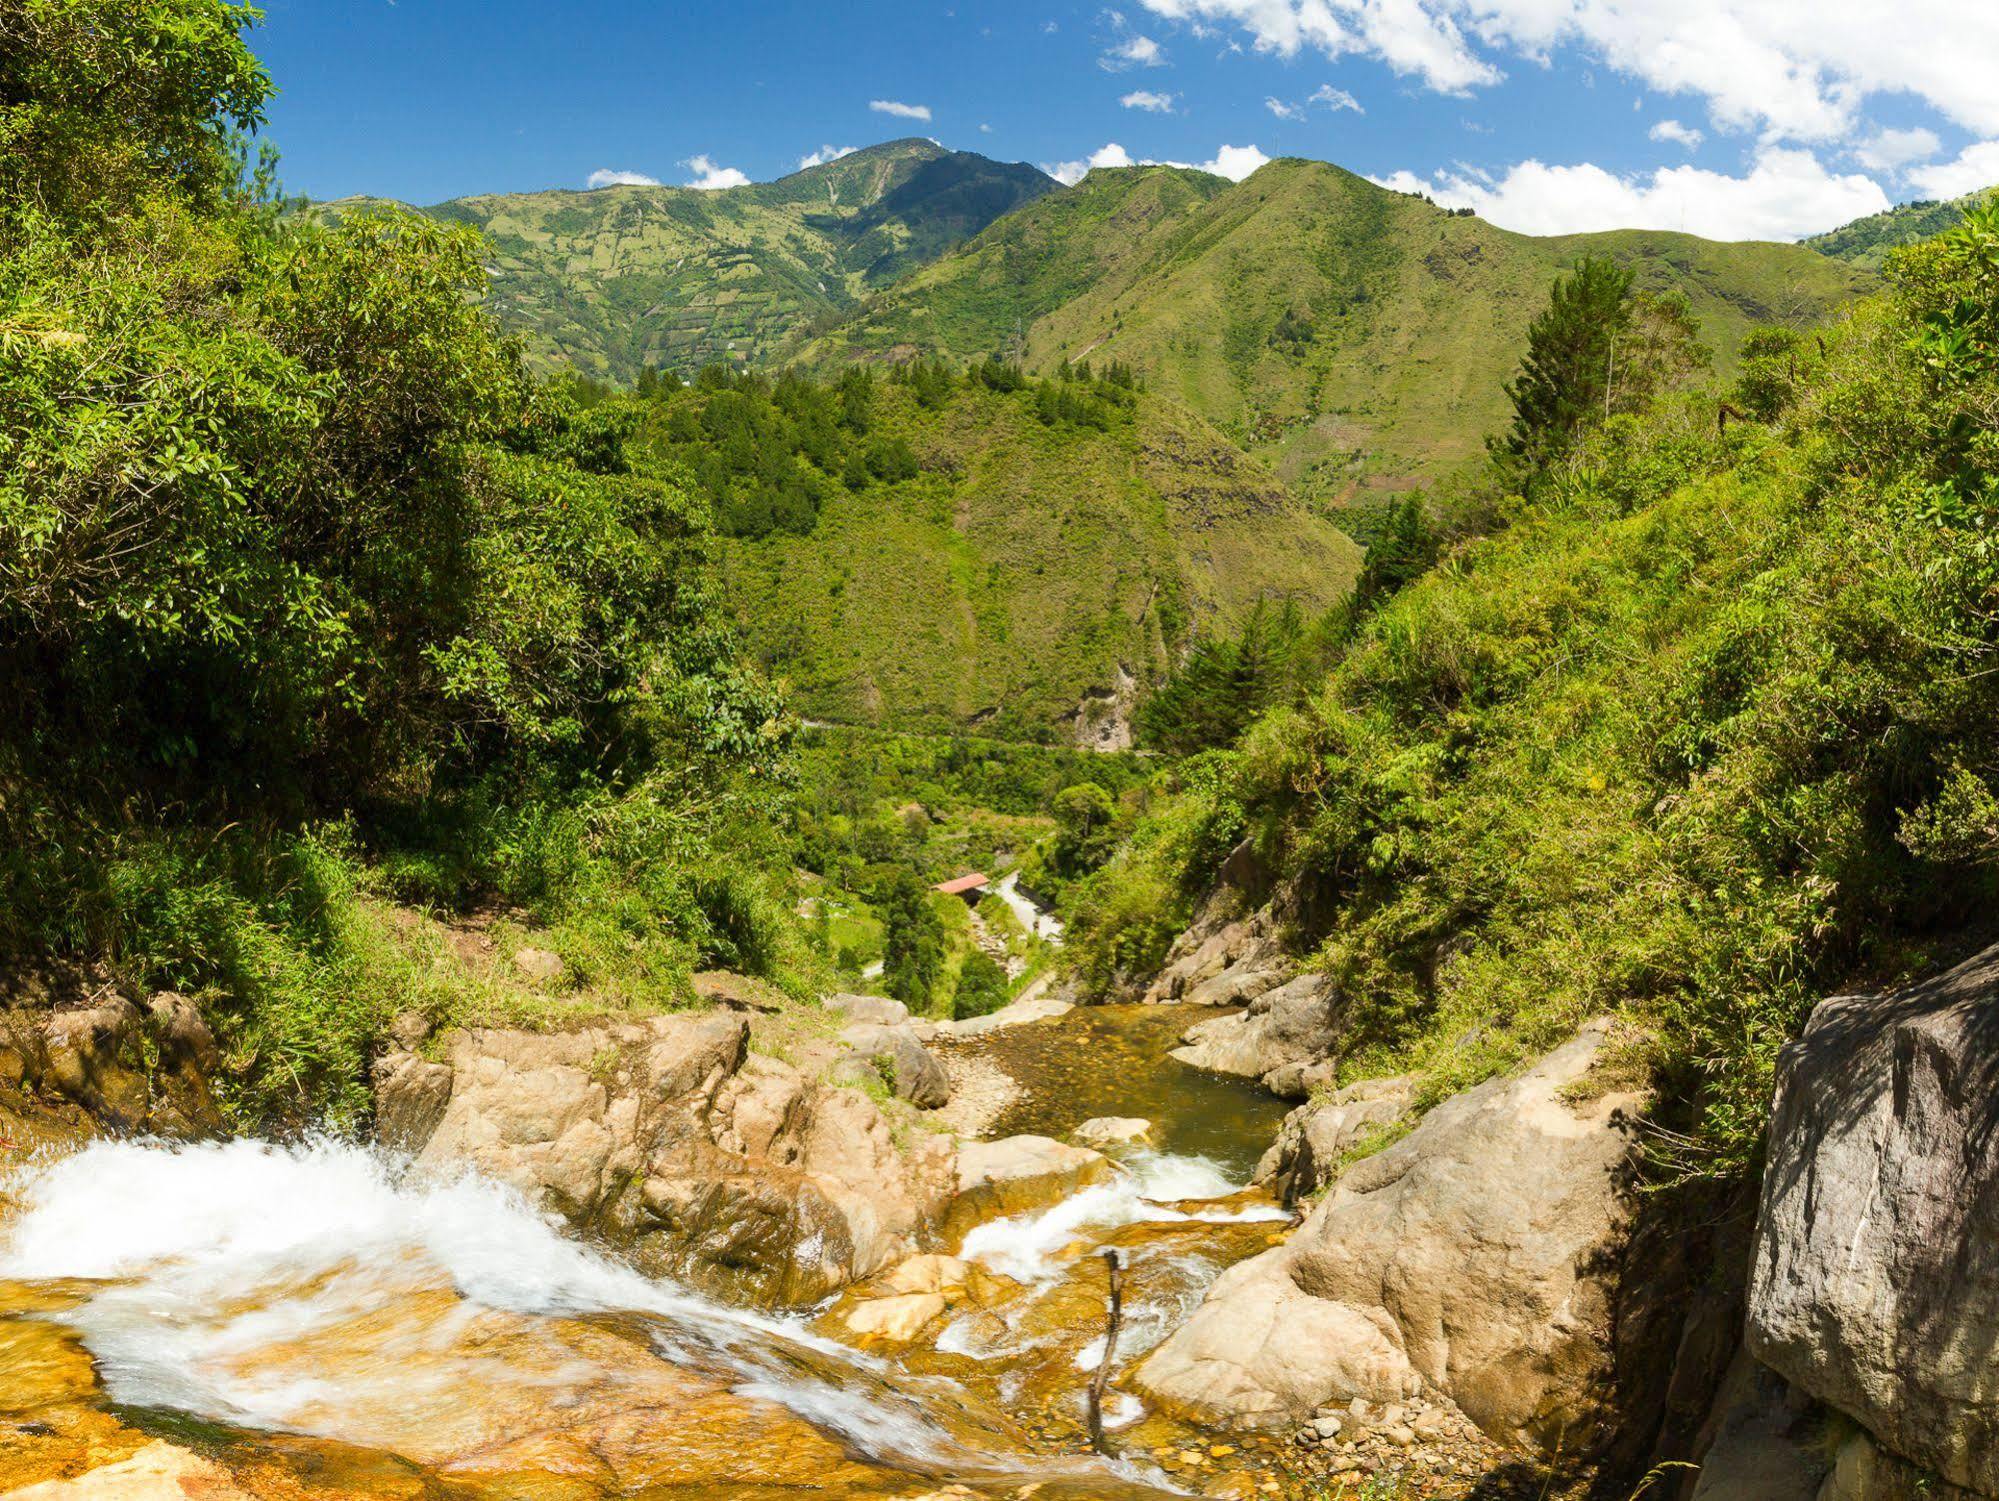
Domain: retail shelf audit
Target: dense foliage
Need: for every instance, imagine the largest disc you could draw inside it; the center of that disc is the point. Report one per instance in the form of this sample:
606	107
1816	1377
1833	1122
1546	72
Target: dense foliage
1706	730
306	587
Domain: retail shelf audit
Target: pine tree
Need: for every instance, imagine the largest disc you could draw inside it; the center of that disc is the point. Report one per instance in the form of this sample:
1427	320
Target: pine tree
1566	377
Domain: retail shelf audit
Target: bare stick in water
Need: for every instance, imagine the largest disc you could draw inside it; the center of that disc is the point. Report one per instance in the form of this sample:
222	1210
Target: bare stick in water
1102	1377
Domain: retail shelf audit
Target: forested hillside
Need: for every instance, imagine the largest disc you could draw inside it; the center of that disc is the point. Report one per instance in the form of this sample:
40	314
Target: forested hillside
923	549
1868	242
1350	334
622	279
1703	729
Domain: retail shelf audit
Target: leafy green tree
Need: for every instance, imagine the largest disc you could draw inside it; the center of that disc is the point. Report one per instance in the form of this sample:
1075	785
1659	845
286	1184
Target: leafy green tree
982	987
1085	828
1565	376
913	945
103	102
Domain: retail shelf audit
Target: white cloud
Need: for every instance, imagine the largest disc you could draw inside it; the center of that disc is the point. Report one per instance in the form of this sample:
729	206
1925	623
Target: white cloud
708	176
824	155
1158	104
1975	167
1886	150
1134	52
1284	111
1235	162
1232	162
1336	99
1785	194
607	177
900	110
1071	173
1678	134
1791	69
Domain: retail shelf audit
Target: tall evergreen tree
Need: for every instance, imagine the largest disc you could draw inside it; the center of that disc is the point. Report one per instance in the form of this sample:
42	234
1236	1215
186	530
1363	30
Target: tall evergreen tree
1567	374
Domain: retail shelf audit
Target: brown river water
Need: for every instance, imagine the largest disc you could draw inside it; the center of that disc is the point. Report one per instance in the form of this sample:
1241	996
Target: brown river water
314	1323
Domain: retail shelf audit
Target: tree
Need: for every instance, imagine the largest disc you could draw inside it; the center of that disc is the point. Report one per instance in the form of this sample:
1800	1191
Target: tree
981	987
1566	377
1086	828
105	101
913	947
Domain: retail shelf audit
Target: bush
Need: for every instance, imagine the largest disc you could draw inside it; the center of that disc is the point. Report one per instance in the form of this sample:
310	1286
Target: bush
982	987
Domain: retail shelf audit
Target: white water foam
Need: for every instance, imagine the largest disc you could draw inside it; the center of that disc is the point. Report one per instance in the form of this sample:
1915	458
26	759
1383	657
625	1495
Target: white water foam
1027	1247
208	1254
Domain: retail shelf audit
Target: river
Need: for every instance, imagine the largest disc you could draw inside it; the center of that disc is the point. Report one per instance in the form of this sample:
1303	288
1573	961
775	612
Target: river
317	1308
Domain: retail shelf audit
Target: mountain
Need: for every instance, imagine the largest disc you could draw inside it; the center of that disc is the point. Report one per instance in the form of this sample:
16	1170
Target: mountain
1866	242
1351	334
615	279
1036	576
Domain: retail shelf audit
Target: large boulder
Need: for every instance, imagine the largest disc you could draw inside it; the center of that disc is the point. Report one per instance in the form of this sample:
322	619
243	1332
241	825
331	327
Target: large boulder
1875	1283
734	1171
131	1068
902	1061
1315	1139
1293	1023
1470	1259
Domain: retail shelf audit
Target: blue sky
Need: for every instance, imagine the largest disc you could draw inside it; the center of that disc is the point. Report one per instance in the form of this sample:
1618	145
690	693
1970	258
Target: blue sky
1735	118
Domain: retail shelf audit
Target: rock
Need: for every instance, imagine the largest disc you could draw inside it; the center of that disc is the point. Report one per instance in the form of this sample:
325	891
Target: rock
538	966
94	1057
1316	1138
185	1055
1017	1174
159	1472
899	1319
1112	1131
1213	945
910	1068
1293	1023
1875	1281
1240	983
1300	1081
410	1100
733	1171
929	1273
1765	1441
1466	1260
1328	1427
410	1030
878	1009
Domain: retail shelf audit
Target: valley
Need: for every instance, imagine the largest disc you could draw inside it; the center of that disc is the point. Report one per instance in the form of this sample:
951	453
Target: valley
926	830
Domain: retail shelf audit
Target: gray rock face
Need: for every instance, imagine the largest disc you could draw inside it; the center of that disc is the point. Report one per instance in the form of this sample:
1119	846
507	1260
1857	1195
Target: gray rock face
1293	1023
1766	1441
1316	1137
1875	1285
1221	961
910	1068
1467	1260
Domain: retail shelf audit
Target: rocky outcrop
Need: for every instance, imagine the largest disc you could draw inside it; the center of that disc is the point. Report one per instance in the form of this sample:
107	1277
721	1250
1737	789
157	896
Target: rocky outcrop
1313	1143
133	1068
1292	1023
1110	1132
1222	960
1471	1260
736	1171
1875	1283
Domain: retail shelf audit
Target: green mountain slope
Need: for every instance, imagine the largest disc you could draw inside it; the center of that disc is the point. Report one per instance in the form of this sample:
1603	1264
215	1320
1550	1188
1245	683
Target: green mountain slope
1033	579
617	279
1344	330
1866	242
